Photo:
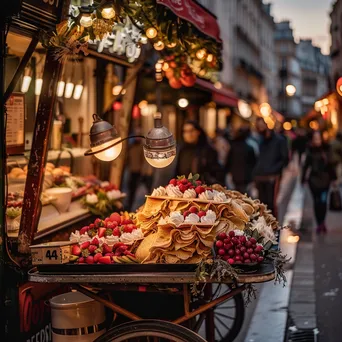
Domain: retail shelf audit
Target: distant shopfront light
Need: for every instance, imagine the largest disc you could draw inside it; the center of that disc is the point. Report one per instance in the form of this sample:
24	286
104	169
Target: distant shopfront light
287	126
183	102
290	90
38	86
60	88
69	88
26	84
245	109
265	109
78	91
218	85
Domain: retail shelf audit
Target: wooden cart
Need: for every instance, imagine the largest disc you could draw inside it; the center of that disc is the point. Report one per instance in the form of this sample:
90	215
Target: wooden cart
218	314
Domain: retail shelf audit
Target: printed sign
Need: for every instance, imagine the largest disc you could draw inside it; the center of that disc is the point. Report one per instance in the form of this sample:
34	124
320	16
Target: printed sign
15	134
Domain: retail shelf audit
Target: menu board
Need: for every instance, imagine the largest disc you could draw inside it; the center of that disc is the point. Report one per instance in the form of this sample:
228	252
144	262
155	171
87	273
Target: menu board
15	134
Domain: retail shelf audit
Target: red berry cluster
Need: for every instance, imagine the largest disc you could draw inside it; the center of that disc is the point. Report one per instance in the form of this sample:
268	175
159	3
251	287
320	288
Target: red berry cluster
113	225
185	184
238	249
90	252
194	210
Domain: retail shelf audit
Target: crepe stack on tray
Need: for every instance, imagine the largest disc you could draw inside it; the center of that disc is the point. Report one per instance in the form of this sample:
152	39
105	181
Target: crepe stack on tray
171	244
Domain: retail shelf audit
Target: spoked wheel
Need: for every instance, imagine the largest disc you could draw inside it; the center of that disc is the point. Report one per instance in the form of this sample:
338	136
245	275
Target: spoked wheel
150	331
223	322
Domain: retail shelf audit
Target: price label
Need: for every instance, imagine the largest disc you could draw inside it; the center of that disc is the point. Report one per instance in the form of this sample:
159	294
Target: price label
51	254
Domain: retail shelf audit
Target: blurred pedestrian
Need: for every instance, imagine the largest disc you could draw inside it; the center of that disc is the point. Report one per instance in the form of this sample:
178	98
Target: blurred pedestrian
221	146
196	155
336	155
321	175
273	157
299	144
241	161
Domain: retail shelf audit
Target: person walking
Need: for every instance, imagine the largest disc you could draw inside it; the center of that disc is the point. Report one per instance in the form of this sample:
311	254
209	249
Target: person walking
319	171
196	155
273	157
222	146
241	161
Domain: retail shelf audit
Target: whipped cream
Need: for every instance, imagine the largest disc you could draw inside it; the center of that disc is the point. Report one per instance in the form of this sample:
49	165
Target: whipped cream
219	196
209	218
114	194
173	191
130	238
111	240
75	237
206	195
176	218
160	191
84	238
190	193
104	184
192	218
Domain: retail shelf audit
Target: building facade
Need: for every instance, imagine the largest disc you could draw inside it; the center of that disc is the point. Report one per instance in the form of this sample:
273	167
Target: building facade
315	68
289	72
247	30
336	41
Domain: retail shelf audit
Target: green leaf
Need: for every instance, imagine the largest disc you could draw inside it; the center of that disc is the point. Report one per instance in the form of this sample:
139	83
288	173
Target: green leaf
196	177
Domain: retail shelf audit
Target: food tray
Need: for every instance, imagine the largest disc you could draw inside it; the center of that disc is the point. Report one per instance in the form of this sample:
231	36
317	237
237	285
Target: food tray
114	268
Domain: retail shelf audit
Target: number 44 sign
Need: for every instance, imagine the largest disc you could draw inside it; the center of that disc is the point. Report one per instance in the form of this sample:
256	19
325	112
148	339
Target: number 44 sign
125	39
51	253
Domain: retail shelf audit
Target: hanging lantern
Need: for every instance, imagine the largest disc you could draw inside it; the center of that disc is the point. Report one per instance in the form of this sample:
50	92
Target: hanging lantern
159	45
339	86
85	16
108	12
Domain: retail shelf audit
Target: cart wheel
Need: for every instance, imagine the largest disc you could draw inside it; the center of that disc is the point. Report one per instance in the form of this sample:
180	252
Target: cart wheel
222	323
149	331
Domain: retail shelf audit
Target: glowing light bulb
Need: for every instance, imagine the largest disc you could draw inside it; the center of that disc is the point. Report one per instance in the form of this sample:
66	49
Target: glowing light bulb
159	45
265	109
200	54
290	90
86	20
108	12
109	154
69	88
143	104
166	66
151	33
117	90
60	88
78	91
210	58
218	85
171	45
183	103
38	88
143	39
158	67
161	159
26	84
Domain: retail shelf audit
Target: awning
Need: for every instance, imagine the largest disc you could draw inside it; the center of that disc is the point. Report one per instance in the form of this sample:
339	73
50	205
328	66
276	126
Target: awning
223	97
196	14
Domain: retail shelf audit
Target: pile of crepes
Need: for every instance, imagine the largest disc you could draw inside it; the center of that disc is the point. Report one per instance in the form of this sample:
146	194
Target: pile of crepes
166	242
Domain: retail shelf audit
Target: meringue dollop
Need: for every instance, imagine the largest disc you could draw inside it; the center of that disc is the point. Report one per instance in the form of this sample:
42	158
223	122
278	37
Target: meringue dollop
173	191
209	218
160	191
176	218
192	218
206	195
219	196
190	193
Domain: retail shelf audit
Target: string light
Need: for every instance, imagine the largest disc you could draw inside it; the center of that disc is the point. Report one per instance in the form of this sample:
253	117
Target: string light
159	45
60	88
218	85
26	84
143	104
171	45
158	67
200	54
210	58
69	88
78	91
183	102
151	33
166	66
38	87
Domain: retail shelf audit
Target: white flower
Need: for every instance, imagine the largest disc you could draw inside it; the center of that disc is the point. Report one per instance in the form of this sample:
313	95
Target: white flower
92	198
75	237
209	218
111	240
264	230
192	218
176	218
104	184
238	232
206	195
160	191
130	238
173	191
113	194
190	193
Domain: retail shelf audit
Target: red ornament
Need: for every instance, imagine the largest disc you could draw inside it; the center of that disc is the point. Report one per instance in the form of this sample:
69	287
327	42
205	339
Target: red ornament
339	86
117	105
174	83
136	112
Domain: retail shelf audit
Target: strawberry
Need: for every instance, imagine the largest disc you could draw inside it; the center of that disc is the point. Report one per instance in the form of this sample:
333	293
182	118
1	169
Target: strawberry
121	249
106	248
91	226
198	182
101	232
97	256
84	230
85	245
112	225
89	259
125	221
128	229
129	253
199	189
98	223
109	254
117	245
81	260
116	231
193	210
173	182
184	181
115	217
92	249
76	250
95	242
201	213
104	260
186	213
107	219
182	187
